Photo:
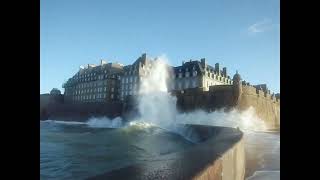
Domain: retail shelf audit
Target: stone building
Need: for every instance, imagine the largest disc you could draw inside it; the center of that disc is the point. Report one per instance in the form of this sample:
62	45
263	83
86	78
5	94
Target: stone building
114	82
94	83
131	76
194	74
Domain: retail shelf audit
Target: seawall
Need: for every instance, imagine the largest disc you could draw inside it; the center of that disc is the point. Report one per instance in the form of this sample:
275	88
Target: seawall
79	112
267	106
218	155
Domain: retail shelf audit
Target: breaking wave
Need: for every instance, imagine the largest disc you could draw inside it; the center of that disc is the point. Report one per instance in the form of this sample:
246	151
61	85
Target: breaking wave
94	122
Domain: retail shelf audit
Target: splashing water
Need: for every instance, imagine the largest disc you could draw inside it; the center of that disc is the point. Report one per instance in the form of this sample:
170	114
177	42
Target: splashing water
246	120
156	106
94	122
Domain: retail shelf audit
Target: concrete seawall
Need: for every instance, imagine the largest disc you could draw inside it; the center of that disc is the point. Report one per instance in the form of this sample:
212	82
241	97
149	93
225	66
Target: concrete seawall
218	155
231	166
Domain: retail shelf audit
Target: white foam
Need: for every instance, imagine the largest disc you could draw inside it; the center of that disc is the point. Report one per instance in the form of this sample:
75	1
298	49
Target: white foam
101	122
64	122
265	175
105	122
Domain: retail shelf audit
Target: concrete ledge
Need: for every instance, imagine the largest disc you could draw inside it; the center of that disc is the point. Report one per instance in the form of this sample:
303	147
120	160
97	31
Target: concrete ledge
219	155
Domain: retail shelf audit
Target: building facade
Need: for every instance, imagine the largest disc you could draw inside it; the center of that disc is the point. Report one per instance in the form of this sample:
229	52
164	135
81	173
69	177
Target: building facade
94	83
133	74
194	74
115	82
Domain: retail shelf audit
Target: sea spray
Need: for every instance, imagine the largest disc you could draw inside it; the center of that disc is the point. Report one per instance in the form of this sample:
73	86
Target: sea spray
155	105
158	108
245	120
104	122
93	122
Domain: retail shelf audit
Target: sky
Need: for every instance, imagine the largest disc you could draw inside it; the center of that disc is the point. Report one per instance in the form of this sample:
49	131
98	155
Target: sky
241	35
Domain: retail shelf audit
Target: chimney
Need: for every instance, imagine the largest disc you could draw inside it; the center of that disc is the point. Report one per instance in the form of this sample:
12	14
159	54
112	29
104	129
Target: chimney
224	70
203	62
216	68
102	62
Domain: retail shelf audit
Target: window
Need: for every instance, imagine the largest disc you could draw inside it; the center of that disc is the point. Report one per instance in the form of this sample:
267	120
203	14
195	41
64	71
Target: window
194	73
187	74
186	84
180	75
112	89
194	83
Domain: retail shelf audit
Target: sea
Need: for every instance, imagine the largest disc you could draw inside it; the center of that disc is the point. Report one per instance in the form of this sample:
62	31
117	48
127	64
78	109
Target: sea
78	150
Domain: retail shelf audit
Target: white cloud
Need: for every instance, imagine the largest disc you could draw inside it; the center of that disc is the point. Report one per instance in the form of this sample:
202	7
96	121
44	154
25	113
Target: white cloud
262	26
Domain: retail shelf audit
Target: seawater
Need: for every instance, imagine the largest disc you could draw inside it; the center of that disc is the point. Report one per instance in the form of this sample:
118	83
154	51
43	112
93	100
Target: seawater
75	150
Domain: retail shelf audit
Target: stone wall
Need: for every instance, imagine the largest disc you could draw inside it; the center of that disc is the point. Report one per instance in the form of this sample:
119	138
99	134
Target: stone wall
231	165
267	106
58	110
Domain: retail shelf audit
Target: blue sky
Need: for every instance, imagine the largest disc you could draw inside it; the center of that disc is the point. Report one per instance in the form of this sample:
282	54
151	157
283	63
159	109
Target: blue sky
241	35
